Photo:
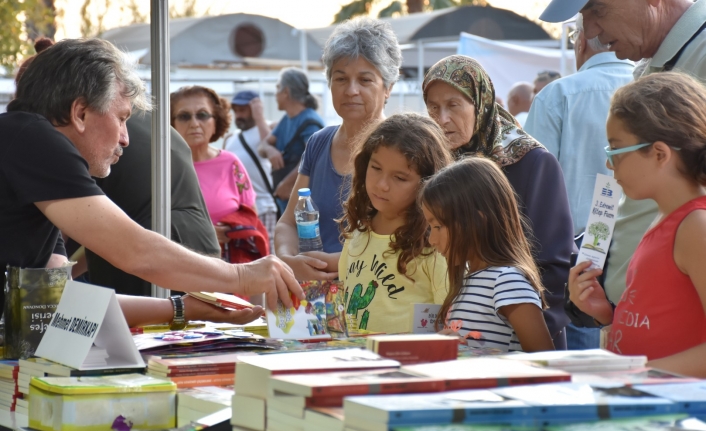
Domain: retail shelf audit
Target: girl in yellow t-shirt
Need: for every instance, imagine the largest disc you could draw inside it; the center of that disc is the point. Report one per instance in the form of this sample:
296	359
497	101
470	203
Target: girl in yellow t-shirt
386	264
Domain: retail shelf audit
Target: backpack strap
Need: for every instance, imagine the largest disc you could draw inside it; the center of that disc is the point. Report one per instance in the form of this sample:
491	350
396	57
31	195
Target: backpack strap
308	122
673	61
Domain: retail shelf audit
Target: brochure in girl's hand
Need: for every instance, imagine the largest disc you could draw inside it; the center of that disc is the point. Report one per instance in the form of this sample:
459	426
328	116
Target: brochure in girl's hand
601	221
319	316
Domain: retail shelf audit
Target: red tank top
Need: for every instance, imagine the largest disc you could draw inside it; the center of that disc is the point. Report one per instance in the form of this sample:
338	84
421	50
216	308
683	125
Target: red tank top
660	312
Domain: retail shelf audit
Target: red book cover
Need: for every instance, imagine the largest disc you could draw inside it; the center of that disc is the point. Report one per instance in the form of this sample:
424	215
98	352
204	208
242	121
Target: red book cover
228	369
338	385
479	373
415	349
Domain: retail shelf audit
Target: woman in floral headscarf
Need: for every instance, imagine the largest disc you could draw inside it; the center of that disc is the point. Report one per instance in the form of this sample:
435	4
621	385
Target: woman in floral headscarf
460	97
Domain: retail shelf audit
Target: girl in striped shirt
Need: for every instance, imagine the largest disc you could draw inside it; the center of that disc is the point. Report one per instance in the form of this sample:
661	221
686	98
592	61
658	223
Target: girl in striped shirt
495	292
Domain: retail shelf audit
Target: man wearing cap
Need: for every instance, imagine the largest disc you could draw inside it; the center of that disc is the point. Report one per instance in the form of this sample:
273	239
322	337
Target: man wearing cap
666	35
250	120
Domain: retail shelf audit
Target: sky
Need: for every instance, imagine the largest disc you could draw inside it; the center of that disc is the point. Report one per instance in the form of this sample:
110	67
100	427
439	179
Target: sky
298	13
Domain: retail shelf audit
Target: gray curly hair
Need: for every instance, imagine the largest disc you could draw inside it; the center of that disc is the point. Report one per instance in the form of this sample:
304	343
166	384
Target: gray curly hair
369	38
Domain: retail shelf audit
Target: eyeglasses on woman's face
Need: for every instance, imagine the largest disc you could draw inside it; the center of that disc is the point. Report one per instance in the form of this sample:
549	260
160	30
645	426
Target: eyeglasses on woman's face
610	153
202	116
574	36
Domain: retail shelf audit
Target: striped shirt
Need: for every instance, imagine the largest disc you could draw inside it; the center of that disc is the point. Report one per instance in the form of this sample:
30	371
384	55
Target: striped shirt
484	293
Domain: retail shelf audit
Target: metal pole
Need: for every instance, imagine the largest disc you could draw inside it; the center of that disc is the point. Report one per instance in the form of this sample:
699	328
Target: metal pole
302	51
161	163
420	64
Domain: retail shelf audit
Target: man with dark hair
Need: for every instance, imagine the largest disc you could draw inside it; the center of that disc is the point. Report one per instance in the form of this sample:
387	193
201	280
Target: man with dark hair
250	119
68	123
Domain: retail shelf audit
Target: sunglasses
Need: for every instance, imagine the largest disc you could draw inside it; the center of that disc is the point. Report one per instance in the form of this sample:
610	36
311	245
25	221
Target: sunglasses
185	117
610	153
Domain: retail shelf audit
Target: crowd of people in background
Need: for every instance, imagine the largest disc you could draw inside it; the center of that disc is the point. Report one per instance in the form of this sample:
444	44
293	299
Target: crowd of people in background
473	206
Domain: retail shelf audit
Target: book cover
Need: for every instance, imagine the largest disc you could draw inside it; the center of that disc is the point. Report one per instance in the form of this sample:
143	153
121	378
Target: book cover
572	402
223	300
326	385
414	348
32	295
206	399
320	316
690	397
200	380
637	376
580	360
254	371
481	373
475	406
167	365
649	423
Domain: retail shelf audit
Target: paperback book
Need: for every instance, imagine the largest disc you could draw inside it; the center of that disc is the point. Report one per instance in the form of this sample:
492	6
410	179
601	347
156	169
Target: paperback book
319	316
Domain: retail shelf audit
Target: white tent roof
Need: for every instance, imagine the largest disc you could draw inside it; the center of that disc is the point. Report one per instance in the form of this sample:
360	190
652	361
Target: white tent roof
209	40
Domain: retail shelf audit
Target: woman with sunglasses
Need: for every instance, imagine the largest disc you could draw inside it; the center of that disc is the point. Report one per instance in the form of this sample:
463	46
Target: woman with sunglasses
657	134
201	117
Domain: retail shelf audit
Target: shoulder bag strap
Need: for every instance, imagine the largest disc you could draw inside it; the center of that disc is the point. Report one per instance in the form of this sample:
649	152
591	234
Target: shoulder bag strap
671	63
304	125
257	163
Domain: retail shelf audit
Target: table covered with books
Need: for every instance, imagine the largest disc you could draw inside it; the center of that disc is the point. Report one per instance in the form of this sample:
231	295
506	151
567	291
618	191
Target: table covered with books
327	378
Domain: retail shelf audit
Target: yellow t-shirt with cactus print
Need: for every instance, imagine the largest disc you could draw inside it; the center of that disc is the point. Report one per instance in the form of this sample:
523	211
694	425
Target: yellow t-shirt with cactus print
378	297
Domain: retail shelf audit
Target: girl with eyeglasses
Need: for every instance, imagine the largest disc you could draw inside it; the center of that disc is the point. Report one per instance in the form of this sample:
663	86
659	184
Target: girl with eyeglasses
201	117
657	134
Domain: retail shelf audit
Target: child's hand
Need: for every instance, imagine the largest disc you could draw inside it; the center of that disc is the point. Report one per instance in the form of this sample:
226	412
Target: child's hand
451	332
587	294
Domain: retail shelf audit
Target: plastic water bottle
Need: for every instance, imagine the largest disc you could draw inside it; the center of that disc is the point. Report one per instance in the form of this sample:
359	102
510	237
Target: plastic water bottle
307	217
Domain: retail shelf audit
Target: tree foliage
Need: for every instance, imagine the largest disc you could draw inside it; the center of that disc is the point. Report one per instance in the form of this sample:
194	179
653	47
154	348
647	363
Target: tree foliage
22	21
396	7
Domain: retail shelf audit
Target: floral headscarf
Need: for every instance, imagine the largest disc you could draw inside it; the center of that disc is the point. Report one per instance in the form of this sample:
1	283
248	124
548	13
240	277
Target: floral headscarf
496	133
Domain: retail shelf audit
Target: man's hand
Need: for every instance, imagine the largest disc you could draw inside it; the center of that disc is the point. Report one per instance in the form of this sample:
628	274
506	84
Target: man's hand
199	310
221	230
257	109
275	157
309	268
587	294
271	276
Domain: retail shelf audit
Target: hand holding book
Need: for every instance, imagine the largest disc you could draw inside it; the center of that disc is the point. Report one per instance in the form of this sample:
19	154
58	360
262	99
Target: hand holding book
196	308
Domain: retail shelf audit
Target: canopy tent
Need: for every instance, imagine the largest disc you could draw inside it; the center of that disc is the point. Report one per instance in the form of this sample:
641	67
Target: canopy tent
223	39
508	63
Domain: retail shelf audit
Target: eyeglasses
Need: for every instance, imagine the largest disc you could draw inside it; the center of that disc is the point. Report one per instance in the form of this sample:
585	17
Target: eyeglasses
548	74
185	117
610	153
574	36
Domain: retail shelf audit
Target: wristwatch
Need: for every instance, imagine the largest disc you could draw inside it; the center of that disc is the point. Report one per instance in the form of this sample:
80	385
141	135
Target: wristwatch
178	321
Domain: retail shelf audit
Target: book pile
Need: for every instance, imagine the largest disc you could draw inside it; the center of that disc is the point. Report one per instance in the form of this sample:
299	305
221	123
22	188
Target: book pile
583	361
196	403
9	393
193	371
254	400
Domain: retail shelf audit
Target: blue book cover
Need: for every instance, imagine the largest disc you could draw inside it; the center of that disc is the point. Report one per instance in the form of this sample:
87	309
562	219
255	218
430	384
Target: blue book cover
572	402
471	406
690	397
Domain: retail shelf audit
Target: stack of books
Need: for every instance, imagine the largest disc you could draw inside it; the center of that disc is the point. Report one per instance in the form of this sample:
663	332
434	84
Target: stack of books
9	393
255	405
194	371
583	361
196	403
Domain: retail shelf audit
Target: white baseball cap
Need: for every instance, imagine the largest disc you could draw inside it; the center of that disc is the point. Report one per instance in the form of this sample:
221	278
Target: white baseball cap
562	10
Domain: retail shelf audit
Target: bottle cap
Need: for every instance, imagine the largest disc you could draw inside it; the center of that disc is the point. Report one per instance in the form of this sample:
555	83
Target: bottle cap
304	192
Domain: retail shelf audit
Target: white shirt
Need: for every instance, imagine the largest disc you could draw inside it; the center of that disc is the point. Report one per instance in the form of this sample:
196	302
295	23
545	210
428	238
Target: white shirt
264	201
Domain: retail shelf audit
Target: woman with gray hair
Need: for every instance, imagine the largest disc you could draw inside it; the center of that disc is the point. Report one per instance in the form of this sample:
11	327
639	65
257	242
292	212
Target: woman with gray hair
362	60
285	145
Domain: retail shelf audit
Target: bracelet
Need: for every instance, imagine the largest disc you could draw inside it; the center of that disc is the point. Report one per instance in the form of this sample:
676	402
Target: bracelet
178	321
